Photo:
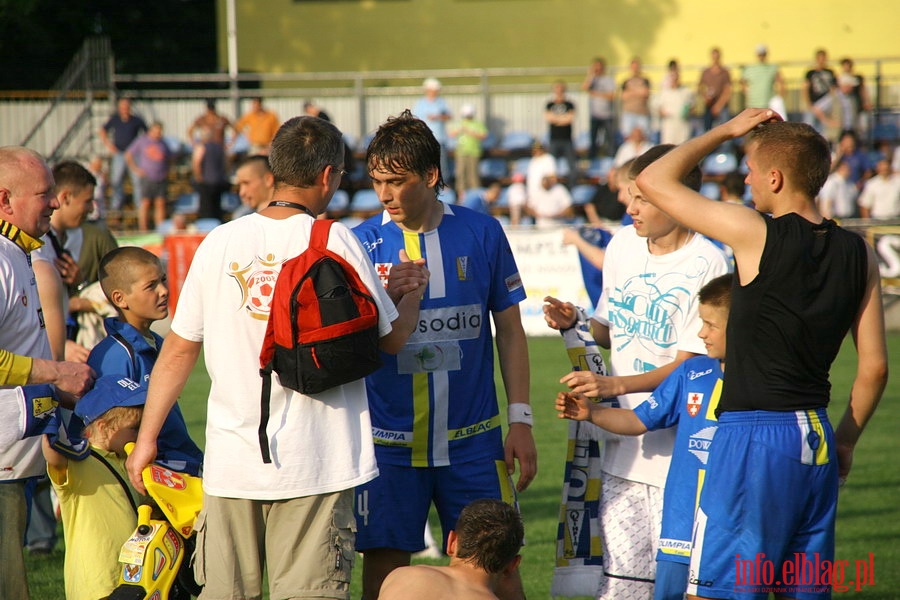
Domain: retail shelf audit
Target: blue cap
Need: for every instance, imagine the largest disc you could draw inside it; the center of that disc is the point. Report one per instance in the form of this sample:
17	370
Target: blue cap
108	392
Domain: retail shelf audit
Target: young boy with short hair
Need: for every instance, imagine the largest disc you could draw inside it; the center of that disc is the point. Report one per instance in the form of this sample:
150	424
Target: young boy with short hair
132	279
688	397
98	506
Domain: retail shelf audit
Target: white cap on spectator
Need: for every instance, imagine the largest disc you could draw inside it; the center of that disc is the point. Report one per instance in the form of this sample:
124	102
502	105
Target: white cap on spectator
467	111
431	84
761	49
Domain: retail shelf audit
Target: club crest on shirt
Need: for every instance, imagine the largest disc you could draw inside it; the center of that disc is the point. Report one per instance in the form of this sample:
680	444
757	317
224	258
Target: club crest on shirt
383	270
462	268
694	402
257	282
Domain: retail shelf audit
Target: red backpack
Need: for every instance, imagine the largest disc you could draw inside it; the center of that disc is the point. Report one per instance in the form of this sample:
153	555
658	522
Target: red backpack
323	326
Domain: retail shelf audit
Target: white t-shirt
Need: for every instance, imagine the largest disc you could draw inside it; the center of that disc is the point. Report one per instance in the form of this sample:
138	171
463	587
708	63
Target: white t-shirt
21	332
319	445
548	204
881	195
650	304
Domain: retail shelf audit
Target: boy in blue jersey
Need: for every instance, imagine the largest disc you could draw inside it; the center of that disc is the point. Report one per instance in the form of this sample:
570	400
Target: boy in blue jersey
133	281
688	398
434	410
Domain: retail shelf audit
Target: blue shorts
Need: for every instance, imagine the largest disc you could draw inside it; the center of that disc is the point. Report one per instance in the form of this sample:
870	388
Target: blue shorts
671	580
769	500
392	509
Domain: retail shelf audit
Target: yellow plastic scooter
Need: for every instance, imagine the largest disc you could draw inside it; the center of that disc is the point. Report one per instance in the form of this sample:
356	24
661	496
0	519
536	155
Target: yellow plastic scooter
154	562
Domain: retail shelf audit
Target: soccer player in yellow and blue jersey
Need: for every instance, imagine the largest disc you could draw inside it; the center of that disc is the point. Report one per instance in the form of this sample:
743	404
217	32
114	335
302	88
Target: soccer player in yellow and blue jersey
434	409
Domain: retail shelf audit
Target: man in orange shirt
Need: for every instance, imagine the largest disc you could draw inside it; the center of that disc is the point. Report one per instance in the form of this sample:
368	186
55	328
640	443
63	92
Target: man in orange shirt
259	125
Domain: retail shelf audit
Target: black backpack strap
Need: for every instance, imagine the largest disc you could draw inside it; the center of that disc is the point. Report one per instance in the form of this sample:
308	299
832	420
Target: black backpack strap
118	477
266	374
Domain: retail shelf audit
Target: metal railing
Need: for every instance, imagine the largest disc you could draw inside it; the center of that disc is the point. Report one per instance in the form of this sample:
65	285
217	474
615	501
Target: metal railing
508	99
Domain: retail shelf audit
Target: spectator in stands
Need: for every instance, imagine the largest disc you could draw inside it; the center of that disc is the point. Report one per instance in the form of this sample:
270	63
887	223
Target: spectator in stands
604	205
98	169
818	83
634	145
258	125
552	205
484	200
433	109
837	112
516	198
848	150
541	164
150	158
214	123
119	131
635	98
469	133
880	197
675	104
559	114
208	166
601	90
314	110
762	81
837	198
256	185
715	89
861	93
732	188
673	73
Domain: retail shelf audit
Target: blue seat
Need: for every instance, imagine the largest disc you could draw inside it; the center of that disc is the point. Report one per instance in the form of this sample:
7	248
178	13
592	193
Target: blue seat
448	195
186	204
473	197
719	163
365	200
339	202
516	141
583	193
583	141
229	202
888	131
241	144
710	189
206	224
492	168
599	167
520	166
490	142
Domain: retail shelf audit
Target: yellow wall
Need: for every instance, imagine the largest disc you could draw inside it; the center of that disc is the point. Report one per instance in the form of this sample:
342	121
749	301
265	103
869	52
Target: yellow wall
363	35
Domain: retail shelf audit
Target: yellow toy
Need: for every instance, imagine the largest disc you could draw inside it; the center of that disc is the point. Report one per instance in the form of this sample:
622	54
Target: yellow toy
153	565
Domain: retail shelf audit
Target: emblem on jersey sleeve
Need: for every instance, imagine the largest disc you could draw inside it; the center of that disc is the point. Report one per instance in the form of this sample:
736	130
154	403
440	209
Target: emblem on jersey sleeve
383	270
513	282
257	283
694	402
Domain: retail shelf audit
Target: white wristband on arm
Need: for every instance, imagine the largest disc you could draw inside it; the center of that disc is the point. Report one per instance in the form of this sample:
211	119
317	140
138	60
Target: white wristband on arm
519	412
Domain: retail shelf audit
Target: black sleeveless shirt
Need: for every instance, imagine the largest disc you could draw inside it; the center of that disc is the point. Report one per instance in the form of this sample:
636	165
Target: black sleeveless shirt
786	326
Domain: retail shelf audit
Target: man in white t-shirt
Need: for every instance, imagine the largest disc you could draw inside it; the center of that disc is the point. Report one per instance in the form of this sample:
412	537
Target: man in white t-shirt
880	197
648	318
294	514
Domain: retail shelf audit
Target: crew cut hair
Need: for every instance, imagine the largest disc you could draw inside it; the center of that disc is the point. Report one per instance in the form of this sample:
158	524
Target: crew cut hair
302	148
